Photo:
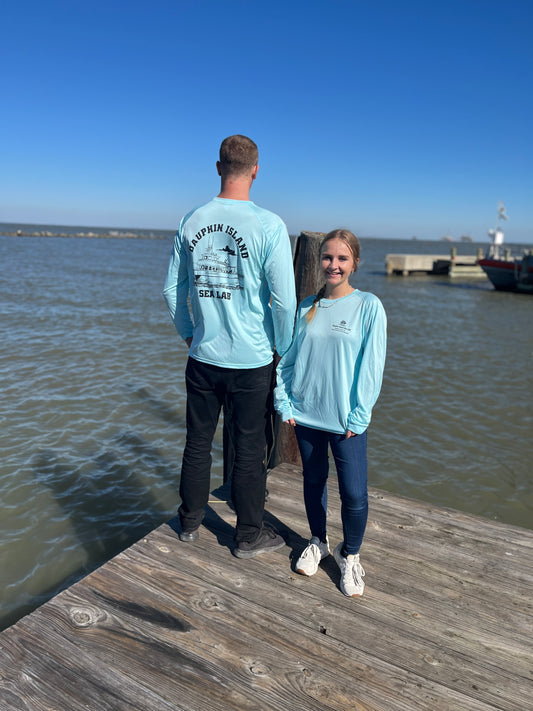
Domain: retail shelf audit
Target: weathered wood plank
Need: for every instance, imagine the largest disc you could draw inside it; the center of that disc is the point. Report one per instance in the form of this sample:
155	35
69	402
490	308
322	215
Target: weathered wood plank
246	647
445	622
433	653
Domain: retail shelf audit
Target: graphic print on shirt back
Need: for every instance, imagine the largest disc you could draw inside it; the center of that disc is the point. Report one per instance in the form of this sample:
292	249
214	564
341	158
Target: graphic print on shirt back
216	271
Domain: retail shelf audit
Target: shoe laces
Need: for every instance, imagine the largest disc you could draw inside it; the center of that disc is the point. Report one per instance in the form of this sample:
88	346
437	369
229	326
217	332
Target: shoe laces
356	569
269	531
311	552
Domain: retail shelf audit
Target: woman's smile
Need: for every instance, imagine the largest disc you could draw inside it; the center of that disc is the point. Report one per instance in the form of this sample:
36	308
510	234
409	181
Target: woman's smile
337	264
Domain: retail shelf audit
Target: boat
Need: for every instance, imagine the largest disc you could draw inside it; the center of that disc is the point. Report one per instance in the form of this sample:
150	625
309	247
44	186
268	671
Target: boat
510	274
506	273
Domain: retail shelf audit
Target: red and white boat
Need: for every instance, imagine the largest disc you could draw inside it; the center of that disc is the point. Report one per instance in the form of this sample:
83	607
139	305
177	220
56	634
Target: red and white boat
507	273
510	274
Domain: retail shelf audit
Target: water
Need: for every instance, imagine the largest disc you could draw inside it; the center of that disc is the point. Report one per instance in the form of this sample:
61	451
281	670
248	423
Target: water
93	403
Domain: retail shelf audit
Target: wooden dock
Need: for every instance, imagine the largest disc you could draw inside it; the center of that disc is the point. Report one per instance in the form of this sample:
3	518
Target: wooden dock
445	623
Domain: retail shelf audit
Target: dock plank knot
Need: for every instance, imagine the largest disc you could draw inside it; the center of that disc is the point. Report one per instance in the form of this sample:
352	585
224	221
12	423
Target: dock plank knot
85	616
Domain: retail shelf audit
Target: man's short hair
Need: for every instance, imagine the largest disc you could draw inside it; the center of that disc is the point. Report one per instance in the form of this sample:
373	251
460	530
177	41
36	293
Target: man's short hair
238	155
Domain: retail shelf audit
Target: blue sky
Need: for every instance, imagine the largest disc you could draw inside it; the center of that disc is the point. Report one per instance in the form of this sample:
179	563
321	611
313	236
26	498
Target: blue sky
393	119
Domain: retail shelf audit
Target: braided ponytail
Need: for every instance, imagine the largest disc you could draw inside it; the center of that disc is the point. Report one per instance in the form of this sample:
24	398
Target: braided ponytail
310	315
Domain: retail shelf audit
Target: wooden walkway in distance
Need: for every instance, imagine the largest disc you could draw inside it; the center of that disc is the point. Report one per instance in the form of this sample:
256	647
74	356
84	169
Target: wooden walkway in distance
445	623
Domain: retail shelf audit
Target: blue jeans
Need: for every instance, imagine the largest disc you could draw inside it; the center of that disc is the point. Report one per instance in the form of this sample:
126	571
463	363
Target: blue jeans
246	393
350	459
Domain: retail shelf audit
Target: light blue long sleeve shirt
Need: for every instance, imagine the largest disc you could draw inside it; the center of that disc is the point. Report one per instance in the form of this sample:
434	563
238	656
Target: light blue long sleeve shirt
231	266
331	376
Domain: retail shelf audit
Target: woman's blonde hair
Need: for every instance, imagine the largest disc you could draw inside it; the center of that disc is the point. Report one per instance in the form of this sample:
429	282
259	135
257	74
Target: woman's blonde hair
351	241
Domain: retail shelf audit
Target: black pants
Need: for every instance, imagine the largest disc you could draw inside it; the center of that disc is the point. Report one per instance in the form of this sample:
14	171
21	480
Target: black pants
246	392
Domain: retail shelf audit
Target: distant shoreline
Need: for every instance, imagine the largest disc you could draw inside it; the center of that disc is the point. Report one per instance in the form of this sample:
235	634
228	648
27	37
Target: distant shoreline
104	234
10	229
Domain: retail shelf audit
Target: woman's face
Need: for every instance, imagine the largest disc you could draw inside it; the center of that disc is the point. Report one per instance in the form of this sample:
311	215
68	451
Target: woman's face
337	264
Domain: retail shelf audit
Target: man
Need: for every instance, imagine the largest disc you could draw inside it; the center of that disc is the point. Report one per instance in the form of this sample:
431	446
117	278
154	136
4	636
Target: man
233	260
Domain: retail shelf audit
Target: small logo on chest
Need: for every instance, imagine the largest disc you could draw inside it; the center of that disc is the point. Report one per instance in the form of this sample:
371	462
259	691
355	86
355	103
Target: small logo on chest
341	327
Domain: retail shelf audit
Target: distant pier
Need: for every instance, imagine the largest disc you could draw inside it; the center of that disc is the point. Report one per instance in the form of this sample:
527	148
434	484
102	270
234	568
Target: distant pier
445	623
452	265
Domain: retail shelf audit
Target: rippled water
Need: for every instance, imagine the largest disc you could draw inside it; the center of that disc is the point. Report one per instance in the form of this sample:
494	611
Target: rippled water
92	409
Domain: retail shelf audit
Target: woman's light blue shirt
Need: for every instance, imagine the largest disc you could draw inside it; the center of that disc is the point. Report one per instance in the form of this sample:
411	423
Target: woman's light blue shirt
331	376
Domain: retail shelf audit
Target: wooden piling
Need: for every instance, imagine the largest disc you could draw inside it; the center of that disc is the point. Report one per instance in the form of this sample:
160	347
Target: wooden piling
306	264
307	278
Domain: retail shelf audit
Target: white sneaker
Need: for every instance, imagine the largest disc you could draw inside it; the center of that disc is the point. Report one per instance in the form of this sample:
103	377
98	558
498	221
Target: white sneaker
307	563
352	573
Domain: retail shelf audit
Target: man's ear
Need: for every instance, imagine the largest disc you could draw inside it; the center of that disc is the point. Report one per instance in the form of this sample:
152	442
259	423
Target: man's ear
254	171
218	168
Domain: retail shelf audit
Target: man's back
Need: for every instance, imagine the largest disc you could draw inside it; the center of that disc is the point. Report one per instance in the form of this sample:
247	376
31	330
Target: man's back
232	256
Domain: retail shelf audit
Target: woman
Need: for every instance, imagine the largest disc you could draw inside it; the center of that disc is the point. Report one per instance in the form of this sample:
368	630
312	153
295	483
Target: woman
327	384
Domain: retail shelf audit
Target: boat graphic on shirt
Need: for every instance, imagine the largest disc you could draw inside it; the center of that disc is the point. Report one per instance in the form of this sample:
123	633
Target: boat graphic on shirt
217	268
